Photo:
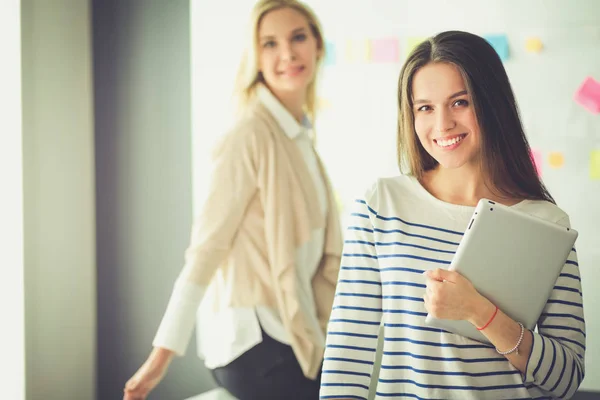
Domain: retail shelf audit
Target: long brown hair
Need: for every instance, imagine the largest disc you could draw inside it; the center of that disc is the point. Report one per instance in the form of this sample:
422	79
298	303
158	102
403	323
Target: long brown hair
506	162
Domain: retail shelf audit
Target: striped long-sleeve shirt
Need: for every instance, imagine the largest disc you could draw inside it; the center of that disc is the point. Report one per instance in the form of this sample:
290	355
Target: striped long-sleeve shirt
396	232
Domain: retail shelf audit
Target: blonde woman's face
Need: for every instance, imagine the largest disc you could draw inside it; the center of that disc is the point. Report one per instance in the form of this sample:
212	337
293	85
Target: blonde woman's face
287	52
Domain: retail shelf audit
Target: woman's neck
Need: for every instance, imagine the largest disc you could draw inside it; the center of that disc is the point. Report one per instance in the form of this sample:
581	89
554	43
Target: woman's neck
463	186
293	102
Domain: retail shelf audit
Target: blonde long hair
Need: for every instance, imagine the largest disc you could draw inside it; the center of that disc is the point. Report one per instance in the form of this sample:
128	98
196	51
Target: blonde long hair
248	76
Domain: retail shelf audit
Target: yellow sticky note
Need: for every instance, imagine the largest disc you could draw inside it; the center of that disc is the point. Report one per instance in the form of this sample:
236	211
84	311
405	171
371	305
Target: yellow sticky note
357	51
595	165
413	42
339	202
556	159
534	45
323	104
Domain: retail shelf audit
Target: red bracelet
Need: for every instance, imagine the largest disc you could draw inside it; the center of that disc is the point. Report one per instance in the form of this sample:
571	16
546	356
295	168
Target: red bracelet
490	321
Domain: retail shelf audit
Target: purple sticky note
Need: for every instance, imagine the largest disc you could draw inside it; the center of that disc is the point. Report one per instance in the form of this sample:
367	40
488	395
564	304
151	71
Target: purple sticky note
588	95
385	50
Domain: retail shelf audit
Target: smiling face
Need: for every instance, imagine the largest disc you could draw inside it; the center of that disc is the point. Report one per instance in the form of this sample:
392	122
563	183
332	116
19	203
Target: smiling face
444	117
288	51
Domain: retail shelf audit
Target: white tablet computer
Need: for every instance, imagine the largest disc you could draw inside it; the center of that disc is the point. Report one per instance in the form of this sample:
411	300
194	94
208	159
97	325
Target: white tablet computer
513	259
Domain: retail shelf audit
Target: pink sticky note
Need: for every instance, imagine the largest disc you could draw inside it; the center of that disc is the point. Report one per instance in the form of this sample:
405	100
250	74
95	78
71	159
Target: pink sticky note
385	50
588	95
536	157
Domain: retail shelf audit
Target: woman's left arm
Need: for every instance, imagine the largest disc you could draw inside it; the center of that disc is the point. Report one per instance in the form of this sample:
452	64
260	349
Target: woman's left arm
553	357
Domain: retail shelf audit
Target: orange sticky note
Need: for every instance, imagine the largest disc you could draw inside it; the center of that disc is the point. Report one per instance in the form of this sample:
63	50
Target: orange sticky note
534	45
536	157
556	159
385	50
595	165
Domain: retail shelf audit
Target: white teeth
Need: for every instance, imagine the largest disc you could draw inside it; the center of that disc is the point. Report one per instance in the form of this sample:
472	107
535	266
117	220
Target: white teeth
446	143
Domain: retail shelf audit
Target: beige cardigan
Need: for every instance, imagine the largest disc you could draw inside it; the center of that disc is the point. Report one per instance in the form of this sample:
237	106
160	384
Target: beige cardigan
261	206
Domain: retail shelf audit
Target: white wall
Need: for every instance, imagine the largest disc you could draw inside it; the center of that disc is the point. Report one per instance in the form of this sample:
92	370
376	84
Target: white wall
59	207
12	334
213	82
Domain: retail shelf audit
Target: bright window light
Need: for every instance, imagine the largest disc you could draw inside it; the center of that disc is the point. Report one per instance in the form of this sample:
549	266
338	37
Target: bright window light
12	335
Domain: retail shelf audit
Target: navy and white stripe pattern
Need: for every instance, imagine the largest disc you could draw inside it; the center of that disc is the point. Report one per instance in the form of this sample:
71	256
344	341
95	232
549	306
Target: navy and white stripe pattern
394	235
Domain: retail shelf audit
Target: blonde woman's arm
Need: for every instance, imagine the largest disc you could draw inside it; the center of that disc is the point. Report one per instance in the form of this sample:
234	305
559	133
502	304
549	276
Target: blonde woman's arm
233	185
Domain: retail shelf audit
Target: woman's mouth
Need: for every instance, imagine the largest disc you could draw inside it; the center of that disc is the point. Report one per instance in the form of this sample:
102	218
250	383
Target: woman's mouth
450	142
292	71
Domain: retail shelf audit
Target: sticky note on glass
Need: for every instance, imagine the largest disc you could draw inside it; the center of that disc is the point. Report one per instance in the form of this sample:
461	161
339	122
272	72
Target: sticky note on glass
595	165
500	44
536	157
329	54
413	42
339	202
534	45
357	51
556	159
323	104
385	50
588	95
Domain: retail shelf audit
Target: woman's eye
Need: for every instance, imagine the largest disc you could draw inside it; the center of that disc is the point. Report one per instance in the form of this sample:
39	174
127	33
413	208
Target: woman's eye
461	103
424	108
300	37
270	43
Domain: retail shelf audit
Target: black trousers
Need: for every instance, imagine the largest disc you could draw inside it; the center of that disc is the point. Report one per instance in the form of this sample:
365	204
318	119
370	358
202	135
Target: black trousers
268	371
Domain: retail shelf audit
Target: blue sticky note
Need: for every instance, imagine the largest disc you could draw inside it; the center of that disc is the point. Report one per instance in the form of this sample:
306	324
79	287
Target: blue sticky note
500	44
329	54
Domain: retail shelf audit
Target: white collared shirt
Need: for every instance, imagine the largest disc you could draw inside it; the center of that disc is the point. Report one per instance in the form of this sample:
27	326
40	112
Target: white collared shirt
309	255
226	334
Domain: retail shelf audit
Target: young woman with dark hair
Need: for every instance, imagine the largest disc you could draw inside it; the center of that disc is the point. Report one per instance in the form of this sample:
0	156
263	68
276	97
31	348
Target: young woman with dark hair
460	139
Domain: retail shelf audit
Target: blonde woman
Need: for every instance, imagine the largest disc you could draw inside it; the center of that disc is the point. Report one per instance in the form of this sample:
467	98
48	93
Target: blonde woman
265	251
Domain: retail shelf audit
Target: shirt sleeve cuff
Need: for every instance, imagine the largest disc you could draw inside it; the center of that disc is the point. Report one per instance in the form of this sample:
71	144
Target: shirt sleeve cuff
178	322
535	358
